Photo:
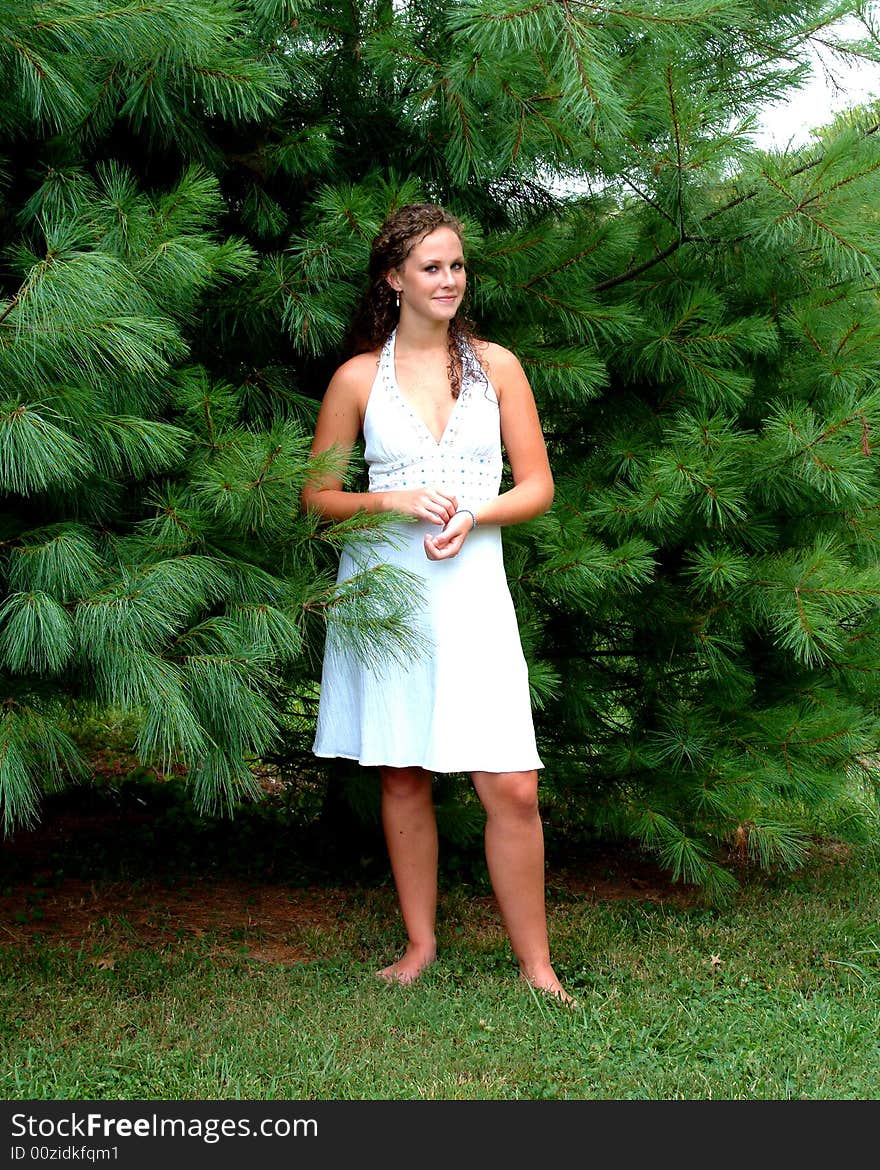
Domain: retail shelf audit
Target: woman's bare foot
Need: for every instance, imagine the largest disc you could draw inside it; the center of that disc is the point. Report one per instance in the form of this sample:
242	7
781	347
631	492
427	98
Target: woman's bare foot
409	966
545	980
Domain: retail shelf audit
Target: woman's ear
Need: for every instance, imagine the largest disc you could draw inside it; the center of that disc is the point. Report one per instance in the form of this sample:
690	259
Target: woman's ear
391	276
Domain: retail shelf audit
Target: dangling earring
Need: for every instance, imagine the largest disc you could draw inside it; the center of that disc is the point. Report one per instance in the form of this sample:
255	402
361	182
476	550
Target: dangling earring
397	300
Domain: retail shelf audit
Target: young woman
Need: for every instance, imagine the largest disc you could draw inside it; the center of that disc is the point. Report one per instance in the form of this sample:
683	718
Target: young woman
434	407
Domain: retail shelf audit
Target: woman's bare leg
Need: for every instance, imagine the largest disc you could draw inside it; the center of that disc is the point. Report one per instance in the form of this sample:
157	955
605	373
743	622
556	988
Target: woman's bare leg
411	837
515	858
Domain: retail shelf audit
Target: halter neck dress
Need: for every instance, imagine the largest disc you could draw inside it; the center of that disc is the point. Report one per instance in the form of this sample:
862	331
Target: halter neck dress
462	703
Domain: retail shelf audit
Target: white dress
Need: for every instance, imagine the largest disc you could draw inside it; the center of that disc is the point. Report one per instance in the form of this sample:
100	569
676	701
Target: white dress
462	704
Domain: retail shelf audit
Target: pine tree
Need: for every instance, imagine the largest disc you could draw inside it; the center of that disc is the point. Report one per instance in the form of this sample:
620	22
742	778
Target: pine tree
189	193
150	464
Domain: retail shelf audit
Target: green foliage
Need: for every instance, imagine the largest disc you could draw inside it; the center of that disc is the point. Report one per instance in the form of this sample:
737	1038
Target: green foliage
187	197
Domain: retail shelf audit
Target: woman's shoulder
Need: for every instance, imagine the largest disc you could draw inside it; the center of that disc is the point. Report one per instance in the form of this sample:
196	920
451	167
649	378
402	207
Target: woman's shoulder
355	369
356	375
496	360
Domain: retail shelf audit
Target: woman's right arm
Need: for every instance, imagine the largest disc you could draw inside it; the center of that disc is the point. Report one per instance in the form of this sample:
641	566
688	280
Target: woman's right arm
339	424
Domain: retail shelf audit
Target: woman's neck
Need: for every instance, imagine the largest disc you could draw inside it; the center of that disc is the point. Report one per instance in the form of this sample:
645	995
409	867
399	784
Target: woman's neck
422	335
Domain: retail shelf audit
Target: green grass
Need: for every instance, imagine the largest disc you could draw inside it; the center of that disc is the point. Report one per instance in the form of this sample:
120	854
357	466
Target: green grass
773	997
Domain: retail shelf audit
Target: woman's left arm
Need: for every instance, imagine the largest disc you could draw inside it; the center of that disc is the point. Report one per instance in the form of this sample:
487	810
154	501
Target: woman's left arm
532	491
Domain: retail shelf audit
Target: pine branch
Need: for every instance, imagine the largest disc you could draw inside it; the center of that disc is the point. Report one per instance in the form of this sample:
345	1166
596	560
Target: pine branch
638	269
685	238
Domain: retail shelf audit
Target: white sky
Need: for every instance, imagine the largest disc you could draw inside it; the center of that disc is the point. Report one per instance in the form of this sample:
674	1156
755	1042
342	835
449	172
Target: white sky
817	103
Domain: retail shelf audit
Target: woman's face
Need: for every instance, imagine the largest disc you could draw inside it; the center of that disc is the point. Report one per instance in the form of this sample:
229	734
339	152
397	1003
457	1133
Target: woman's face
431	281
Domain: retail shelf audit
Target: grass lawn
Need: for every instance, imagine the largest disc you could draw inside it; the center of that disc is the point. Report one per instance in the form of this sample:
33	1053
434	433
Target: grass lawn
206	987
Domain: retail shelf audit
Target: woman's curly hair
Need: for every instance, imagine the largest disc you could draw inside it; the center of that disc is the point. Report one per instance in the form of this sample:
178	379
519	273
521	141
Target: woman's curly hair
377	314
